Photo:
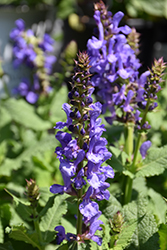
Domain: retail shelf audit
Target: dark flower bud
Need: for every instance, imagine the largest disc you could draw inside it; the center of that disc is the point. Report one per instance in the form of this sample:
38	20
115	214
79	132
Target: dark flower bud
85	146
72	115
141	105
82	104
71	128
153	106
85	117
73	103
32	192
78	80
89	100
76	94
82	131
146	125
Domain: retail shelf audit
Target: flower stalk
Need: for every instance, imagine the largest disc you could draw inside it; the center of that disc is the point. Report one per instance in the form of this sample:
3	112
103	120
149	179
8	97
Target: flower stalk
81	155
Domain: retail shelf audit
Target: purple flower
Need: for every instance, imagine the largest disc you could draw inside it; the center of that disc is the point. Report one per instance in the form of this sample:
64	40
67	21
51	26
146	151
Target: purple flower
62	236
35	53
83	151
144	147
126	106
67	108
114	60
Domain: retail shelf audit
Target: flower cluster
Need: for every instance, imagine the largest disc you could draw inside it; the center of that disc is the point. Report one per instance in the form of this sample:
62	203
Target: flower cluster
115	65
115	68
34	52
82	153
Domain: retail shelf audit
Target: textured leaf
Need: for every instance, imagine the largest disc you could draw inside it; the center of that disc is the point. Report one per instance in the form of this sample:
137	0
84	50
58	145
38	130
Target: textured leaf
21	233
158	206
47	143
68	226
52	217
63	247
45	195
145	235
163	236
126	234
24	114
155	8
118	159
111	207
56	112
5	117
22	208
1	232
6	246
105	233
155	162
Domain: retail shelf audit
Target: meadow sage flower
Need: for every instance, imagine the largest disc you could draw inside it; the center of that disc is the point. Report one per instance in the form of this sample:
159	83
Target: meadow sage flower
82	153
37	54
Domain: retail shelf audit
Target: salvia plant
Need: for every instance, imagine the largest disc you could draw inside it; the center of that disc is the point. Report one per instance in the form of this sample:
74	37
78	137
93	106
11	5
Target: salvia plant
35	53
104	186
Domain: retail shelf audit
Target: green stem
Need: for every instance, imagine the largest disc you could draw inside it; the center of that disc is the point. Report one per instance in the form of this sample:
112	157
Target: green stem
80	166
37	229
129	181
129	129
79	215
133	166
128	133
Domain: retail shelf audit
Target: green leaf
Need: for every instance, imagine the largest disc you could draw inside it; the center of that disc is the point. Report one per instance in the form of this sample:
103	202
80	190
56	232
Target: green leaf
110	207
22	207
48	205
162	236
56	112
68	226
157	205
154	8
63	247
1	232
126	234
45	195
118	159
3	150
52	217
5	213
155	162
5	117
47	143
6	246
145	235
24	114
21	233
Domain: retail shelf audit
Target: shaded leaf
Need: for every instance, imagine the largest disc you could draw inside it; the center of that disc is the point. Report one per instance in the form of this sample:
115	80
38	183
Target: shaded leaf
154	163
52	217
1	232
6	246
110	207
125	235
22	207
145	235
56	112
47	143
68	226
24	114
21	233
163	236
158	206
118	159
